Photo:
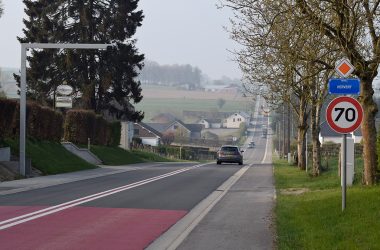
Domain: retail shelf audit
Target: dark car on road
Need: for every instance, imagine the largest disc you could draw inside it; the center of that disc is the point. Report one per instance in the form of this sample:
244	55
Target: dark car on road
230	154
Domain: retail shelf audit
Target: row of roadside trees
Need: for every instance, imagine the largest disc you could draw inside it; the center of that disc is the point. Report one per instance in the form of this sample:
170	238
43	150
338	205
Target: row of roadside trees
289	51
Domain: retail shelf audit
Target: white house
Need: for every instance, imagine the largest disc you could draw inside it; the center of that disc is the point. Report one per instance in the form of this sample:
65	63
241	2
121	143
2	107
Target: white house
234	121
147	134
328	135
211	123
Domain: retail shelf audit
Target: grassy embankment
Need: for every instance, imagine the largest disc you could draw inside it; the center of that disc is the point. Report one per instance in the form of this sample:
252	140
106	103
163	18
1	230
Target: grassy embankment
50	157
117	156
314	220
53	158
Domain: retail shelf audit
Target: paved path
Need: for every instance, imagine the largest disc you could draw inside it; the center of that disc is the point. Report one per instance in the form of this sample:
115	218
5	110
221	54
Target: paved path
243	217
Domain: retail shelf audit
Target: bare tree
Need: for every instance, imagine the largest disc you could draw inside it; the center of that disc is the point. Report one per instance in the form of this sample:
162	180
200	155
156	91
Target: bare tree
286	60
354	27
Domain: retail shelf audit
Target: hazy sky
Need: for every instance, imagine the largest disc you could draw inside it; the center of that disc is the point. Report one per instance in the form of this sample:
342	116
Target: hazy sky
173	31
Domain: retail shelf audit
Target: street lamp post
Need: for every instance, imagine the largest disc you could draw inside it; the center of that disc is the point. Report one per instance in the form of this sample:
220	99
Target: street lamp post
24	48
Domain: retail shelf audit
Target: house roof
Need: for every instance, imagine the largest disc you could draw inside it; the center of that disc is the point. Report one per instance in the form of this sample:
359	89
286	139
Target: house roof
160	127
236	114
244	114
194	127
149	128
190	127
213	120
327	131
207	114
165	117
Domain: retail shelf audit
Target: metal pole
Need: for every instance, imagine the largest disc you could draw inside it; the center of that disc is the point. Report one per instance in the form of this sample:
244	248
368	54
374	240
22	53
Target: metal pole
24	47
344	160
22	110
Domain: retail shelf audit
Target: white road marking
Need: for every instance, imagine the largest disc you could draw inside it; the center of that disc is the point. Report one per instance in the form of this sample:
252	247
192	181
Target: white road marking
54	209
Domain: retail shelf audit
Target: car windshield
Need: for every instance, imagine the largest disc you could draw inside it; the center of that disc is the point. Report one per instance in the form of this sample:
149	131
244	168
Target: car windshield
229	149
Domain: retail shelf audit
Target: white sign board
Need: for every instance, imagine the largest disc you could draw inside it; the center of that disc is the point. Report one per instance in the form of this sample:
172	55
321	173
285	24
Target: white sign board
63	102
64	90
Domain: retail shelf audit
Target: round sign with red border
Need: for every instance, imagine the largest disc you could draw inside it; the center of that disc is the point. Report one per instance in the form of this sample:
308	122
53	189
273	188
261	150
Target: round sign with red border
344	114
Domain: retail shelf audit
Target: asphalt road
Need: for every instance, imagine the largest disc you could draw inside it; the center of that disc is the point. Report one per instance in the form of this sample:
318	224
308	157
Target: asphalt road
121	211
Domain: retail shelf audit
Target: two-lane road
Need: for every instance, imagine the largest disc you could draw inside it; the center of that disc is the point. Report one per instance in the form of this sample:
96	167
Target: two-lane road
121	211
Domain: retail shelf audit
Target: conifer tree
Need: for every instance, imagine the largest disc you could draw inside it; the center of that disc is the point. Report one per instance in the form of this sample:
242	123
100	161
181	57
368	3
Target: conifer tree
105	80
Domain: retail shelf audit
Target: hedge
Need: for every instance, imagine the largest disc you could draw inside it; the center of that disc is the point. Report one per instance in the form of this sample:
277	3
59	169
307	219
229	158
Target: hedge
83	124
42	123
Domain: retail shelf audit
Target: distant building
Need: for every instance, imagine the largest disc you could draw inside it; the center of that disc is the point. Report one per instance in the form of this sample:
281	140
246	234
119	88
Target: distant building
206	114
234	120
327	134
179	128
222	89
211	123
164	118
147	134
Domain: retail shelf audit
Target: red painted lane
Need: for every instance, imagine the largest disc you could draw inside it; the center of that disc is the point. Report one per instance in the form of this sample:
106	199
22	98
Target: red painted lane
8	212
91	228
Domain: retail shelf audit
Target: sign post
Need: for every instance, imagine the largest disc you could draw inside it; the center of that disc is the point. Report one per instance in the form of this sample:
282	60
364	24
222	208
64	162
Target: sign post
344	115
24	49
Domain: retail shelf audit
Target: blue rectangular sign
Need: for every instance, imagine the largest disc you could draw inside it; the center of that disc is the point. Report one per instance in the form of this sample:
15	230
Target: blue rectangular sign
338	86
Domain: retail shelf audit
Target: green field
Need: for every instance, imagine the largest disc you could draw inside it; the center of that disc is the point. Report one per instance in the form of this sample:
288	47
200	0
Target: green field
312	218
152	107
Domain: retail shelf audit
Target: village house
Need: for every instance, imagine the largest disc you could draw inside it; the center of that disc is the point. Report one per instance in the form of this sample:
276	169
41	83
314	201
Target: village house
327	134
147	134
234	120
179	129
211	123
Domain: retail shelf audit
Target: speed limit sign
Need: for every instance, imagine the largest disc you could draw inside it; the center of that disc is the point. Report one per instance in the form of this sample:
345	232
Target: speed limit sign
344	114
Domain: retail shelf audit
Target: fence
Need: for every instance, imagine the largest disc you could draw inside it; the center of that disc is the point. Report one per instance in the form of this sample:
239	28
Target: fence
179	152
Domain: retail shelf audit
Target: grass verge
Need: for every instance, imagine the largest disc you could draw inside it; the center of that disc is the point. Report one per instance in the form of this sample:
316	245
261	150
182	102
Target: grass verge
118	156
314	220
50	157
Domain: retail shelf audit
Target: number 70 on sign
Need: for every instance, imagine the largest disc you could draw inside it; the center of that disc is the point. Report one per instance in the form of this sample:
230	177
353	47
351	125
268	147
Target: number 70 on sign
344	114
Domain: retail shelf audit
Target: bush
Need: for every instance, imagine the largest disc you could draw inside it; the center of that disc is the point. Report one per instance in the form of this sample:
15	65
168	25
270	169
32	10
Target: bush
242	129
9	122
83	124
42	123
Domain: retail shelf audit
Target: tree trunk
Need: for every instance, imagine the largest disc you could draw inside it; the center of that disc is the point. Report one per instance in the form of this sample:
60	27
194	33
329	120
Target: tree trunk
368	131
315	117
301	138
